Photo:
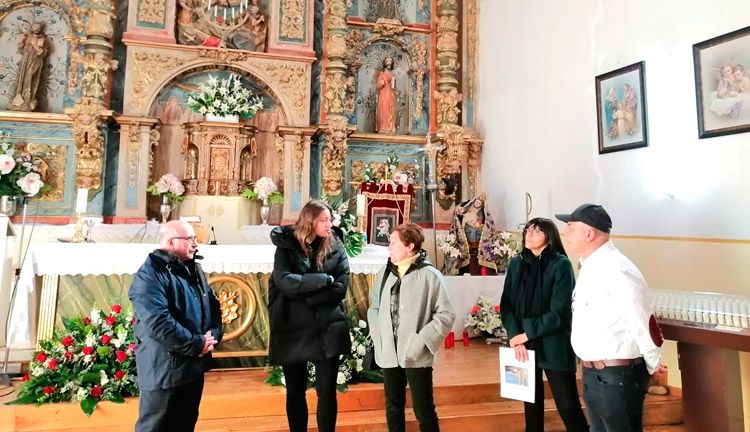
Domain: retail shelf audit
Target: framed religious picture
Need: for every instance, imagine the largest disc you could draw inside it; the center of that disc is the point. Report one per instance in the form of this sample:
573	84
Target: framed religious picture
621	109
384	219
722	84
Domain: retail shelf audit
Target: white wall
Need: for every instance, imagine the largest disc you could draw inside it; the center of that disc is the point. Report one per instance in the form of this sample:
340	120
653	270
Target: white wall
538	60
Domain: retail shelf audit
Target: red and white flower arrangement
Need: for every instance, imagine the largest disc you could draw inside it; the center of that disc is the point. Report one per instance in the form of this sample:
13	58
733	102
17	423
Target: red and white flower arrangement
91	359
485	318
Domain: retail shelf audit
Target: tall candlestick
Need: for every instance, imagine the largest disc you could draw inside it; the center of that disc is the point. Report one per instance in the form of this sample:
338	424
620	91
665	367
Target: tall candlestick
209	5
232	14
216	11
225	14
82	200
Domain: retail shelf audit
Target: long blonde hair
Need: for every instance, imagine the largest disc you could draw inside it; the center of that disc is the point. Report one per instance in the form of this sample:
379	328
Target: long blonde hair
304	230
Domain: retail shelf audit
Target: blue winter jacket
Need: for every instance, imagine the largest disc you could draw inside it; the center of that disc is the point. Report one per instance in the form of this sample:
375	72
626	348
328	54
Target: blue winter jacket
173	311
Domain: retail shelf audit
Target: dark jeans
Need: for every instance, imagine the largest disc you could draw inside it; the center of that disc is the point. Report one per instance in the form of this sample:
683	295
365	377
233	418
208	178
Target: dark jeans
169	410
420	384
295	376
565	392
614	397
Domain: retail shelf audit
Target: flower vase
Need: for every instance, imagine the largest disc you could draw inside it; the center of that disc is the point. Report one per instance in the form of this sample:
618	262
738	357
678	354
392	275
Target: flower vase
8	205
264	210
232	118
165	209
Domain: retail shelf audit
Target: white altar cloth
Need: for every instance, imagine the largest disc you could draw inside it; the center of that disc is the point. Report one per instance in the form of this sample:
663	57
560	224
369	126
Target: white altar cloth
127	258
464	292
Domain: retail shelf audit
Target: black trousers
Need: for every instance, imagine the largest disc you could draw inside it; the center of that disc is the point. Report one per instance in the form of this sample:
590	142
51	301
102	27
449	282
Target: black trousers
175	409
420	384
614	396
295	376
565	393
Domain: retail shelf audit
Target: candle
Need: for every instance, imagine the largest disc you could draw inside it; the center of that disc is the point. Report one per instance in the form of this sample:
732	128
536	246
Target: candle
465	338
232	14
361	204
209	5
81	200
216	11
225	14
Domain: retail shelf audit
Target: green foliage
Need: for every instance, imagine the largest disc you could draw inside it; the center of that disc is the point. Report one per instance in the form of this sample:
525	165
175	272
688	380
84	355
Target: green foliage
343	218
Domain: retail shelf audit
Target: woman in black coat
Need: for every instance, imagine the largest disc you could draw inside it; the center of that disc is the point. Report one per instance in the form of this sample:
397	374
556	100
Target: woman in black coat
308	323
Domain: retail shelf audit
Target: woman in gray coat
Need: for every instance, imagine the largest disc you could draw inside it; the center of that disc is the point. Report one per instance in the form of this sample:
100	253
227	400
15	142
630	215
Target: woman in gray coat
410	314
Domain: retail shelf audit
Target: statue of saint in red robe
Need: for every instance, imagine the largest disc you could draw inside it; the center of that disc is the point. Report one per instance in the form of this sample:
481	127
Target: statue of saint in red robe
385	113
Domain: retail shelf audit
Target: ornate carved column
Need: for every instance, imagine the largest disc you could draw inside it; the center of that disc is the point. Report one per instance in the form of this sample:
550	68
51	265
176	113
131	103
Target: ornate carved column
90	109
137	136
447	95
295	142
334	151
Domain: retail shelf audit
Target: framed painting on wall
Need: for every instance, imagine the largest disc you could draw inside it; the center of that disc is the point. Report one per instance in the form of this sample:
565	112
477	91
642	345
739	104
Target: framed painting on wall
384	219
621	109
722	84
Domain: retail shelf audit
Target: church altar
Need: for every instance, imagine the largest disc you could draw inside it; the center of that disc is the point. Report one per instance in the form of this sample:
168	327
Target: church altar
75	276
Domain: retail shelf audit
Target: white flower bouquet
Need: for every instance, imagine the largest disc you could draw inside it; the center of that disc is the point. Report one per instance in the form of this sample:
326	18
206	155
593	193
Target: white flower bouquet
225	97
264	189
168	186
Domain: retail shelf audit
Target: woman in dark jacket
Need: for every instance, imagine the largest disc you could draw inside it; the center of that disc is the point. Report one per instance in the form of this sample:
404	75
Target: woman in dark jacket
308	323
536	313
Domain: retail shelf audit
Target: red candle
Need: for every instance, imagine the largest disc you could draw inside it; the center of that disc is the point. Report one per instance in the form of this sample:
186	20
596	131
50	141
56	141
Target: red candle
465	338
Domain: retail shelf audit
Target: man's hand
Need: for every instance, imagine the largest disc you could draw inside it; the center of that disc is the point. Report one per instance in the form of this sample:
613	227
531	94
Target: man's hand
518	340
208	343
660	370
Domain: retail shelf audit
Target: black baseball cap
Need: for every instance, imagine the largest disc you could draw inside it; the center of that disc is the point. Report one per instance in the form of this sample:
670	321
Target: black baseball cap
592	215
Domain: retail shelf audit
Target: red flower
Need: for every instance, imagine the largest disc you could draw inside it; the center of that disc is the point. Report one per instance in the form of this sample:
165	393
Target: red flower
120	374
26	377
475	309
131	347
87	350
116	308
497	308
110	320
96	391
121	356
41	357
67	341
106	339
48	390
67	355
86	320
52	364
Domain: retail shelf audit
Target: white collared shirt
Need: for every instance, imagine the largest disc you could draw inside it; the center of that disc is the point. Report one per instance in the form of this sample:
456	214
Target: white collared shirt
611	310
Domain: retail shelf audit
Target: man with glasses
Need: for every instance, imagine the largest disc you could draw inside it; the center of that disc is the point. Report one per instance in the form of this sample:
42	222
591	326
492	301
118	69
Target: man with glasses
178	323
614	332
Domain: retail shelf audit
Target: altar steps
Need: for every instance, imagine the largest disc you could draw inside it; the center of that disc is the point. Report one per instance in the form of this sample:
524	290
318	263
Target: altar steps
466	394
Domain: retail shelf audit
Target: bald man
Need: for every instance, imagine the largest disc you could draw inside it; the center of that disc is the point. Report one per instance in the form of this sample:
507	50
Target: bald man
178	323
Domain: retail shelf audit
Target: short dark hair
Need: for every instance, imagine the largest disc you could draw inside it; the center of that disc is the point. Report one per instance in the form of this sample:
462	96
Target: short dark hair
410	233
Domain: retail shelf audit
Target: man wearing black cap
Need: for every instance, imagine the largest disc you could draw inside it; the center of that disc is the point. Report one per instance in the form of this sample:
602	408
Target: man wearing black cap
613	332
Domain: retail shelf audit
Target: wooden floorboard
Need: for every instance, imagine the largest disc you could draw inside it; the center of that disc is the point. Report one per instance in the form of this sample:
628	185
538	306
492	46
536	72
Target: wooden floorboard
467	394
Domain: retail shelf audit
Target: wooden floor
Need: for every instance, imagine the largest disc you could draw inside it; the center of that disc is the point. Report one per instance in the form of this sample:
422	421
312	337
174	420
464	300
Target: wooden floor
466	393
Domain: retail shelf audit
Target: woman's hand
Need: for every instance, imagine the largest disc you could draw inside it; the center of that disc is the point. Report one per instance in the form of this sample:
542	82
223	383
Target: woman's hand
521	354
518	340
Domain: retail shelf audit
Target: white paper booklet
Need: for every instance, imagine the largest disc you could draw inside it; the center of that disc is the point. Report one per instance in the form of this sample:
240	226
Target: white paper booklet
517	379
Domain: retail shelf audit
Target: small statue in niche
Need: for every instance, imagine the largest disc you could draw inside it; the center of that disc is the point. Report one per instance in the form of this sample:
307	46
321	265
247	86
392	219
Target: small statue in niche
246	165
475	235
385	109
191	163
33	47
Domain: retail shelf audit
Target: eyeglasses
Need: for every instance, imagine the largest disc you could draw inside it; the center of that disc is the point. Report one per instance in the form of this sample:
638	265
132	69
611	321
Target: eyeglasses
191	239
533	231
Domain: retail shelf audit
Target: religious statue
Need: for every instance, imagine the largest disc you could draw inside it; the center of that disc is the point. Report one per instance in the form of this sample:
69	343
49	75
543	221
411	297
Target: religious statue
383	9
192	28
33	47
385	111
475	235
191	163
252	35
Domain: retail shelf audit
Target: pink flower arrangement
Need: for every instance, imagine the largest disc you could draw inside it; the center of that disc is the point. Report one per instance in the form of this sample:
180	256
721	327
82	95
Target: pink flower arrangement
20	172
264	189
168	186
